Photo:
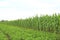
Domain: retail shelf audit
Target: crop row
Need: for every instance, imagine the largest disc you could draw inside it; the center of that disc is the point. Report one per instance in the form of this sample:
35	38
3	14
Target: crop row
42	23
17	33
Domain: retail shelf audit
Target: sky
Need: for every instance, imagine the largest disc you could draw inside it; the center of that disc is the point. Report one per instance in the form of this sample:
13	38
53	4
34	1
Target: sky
17	9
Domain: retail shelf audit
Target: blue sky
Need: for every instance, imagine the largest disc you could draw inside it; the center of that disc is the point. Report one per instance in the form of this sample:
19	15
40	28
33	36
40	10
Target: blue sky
16	9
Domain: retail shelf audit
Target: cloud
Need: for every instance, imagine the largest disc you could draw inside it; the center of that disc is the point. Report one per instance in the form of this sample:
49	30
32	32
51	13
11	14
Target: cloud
4	3
7	13
8	4
14	9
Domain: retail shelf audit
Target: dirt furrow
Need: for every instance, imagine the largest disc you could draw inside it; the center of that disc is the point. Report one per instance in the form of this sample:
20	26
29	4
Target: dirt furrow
6	34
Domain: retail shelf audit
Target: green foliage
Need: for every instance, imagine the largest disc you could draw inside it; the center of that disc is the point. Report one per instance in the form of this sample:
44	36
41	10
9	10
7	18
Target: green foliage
42	23
17	33
2	36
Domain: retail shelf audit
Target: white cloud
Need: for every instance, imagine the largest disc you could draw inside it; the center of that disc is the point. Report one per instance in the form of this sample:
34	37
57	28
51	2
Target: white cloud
5	3
7	13
27	8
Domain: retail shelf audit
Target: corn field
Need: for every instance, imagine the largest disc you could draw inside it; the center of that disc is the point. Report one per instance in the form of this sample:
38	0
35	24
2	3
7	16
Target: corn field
43	23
